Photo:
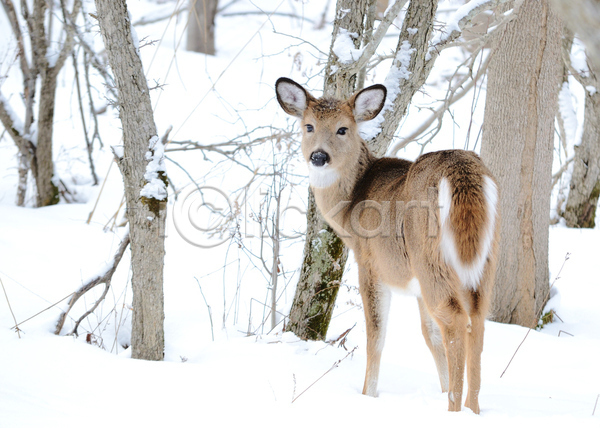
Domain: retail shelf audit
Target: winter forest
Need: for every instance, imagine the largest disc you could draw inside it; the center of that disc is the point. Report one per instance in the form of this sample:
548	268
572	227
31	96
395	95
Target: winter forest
164	257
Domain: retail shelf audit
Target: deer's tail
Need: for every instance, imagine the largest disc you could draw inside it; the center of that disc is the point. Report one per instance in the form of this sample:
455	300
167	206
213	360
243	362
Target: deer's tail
468	219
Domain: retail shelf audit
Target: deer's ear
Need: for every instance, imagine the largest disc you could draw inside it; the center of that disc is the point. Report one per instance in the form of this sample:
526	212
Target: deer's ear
292	97
368	103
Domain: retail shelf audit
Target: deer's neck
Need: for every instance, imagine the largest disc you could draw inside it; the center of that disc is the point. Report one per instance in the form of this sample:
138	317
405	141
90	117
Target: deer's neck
330	199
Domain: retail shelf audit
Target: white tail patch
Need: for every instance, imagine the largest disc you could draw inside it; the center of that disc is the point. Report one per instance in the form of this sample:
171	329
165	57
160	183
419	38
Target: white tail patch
322	176
469	274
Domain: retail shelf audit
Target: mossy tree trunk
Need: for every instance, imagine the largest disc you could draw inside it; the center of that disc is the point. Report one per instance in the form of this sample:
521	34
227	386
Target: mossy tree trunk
146	215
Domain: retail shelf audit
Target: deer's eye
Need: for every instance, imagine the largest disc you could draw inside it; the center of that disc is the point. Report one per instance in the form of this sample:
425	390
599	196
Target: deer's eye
309	128
342	131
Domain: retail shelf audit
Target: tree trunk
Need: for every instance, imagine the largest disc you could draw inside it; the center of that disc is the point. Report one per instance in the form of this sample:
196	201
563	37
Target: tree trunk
47	191
410	69
325	254
583	17
585	179
146	214
201	26
517	145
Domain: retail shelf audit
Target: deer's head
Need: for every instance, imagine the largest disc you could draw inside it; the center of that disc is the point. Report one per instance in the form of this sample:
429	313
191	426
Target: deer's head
330	138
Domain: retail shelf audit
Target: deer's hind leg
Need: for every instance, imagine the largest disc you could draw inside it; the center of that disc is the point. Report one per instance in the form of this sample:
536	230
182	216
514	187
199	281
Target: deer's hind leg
478	307
376	303
434	340
442	298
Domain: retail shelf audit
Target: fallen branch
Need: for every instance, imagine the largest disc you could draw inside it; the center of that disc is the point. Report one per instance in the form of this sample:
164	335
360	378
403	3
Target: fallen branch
104	278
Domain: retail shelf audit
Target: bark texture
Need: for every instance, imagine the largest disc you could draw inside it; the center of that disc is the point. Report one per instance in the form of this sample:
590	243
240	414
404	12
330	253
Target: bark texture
517	145
146	216
201	26
582	201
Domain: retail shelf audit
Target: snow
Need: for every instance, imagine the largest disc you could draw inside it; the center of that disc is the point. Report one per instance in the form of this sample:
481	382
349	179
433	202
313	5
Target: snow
17	123
155	188
238	379
344	47
398	72
567	112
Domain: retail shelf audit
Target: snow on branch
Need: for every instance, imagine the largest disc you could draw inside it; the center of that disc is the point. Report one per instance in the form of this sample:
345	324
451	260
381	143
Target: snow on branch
390	15
343	47
10	120
462	19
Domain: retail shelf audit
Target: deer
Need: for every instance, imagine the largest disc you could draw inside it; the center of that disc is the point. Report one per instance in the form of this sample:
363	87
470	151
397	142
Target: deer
435	220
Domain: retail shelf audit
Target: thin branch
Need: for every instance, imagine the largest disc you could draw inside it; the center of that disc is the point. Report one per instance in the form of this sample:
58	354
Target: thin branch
558	174
9	9
104	278
335	365
67	47
88	143
464	20
371	47
538	314
209	310
451	97
10	308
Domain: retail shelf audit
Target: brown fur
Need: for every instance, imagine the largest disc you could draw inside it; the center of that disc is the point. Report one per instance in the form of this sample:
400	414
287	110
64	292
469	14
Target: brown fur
397	201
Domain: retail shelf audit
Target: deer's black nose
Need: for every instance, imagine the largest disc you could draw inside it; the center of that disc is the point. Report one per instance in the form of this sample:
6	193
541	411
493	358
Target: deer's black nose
319	158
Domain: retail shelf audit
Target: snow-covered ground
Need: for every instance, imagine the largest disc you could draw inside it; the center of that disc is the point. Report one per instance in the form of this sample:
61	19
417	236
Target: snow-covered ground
214	373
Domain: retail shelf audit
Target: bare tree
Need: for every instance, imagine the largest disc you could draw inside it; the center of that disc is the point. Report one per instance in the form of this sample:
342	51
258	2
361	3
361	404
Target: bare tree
34	138
201	26
144	175
517	145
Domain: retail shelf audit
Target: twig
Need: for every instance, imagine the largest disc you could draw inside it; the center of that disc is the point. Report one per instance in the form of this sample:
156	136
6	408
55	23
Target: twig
88	143
99	193
41	312
10	307
101	279
209	311
84	316
539	313
335	365
597	397
452	97
342	338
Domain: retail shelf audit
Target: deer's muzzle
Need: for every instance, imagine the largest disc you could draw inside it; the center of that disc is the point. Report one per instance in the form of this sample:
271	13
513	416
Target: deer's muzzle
319	158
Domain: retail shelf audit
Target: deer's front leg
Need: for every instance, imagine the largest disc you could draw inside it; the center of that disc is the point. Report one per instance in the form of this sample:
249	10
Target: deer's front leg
376	303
